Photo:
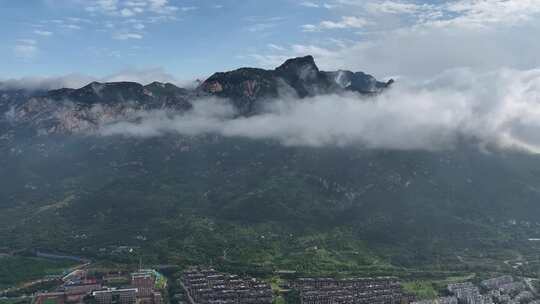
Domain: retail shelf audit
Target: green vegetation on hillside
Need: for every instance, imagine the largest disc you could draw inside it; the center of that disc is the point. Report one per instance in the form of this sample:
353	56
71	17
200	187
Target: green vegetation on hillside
16	301
16	270
257	207
423	290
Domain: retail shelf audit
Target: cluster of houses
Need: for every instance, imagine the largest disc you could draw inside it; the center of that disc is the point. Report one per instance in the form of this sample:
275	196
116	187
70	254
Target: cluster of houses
202	285
384	290
142	287
500	290
207	286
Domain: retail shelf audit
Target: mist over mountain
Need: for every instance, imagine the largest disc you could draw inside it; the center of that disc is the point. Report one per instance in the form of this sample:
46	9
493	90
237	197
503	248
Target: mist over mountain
266	165
296	104
247	91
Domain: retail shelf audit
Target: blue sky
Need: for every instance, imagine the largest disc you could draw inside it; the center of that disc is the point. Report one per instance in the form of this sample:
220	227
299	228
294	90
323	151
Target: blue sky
186	39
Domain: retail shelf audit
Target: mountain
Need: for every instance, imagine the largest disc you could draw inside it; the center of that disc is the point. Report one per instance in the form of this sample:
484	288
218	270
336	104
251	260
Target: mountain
151	96
11	97
300	77
247	204
82	110
85	109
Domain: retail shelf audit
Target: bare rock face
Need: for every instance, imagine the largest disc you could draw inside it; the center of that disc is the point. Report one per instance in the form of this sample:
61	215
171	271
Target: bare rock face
243	87
85	109
248	88
359	82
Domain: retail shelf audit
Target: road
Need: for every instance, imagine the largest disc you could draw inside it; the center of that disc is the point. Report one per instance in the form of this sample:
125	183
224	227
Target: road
529	283
186	292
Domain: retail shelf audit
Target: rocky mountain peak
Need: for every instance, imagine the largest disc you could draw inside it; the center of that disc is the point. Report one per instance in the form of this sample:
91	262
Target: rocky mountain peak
246	87
301	67
164	88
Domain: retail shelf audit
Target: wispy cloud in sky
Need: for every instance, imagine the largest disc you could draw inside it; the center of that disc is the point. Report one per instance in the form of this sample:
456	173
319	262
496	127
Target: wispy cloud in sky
497	108
126	36
312	4
143	76
346	22
309	4
383	37
43	33
420	39
25	49
130	8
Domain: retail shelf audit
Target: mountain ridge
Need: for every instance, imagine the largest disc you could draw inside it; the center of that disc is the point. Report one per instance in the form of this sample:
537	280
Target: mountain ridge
300	73
297	76
69	110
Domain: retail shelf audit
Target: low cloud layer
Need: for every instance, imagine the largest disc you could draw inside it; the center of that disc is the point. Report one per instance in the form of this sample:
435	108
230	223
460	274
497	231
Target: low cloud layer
420	39
75	81
496	108
45	83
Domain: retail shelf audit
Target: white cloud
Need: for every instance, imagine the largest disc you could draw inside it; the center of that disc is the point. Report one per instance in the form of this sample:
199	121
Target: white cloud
72	26
103	6
125	16
261	24
139	26
43	33
346	22
276	47
188	8
127	36
423	40
468	68
486	13
310	28
467	13
78	20
158	3
143	76
129	8
394	7
259	27
27	41
161	6
25	50
498	108
135	3
310	4
126	12
47	83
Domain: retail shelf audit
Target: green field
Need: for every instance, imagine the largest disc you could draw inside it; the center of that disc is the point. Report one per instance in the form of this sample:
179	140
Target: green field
17	270
15	301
